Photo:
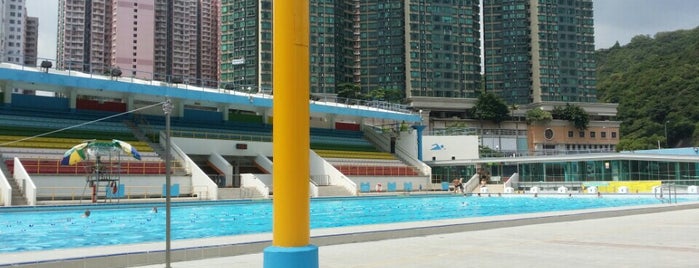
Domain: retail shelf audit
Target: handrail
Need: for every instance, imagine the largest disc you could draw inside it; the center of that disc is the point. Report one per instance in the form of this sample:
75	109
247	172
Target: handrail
321	166
472	183
198	177
511	180
312	189
401	153
671	191
252	181
95	71
25	182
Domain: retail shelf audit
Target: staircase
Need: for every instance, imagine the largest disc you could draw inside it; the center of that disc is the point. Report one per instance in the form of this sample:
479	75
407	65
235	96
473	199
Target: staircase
330	190
157	148
142	137
18	198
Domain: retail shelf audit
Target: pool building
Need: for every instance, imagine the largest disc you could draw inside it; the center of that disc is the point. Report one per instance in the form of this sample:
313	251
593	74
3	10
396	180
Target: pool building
222	146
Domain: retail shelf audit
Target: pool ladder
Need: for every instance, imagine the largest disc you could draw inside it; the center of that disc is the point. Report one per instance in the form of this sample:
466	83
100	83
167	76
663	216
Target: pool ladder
664	197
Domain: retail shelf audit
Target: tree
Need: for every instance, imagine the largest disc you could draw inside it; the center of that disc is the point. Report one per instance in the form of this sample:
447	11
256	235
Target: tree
490	107
538	115
394	95
349	90
573	113
654	80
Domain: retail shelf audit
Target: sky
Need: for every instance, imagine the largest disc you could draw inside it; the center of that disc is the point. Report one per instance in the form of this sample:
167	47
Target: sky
615	20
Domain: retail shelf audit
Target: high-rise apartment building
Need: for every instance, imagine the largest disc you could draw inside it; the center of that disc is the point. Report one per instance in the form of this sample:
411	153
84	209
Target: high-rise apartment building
13	17
175	26
31	39
167	40
205	68
246	44
2	29
539	51
420	47
540	55
132	31
443	48
84	35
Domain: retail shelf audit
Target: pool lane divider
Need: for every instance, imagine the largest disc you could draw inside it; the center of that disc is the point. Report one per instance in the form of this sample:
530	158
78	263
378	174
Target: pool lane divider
291	205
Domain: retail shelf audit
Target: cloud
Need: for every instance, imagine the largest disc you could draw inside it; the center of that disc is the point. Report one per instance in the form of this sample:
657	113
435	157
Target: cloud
621	20
47	12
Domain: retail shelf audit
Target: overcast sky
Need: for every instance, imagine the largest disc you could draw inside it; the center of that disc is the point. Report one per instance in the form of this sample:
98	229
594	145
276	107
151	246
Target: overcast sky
615	20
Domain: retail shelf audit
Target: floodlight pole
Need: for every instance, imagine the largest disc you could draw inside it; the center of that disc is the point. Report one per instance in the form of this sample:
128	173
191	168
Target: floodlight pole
167	109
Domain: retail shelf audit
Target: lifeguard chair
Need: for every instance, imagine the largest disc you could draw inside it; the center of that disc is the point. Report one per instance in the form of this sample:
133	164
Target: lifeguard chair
102	162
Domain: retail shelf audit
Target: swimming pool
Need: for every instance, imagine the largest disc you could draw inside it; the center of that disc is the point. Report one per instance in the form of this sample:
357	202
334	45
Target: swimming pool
44	228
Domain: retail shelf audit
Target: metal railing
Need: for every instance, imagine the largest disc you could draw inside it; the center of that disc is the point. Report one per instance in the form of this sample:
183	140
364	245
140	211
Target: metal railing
671	188
105	72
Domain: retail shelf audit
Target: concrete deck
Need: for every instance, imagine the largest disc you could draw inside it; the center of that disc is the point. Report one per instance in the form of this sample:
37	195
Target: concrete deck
648	236
661	239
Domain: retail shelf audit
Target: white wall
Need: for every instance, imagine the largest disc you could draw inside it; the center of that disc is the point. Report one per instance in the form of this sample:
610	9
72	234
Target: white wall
5	191
137	186
446	147
222	147
417	182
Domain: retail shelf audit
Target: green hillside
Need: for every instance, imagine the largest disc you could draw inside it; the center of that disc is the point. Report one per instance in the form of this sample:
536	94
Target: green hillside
655	80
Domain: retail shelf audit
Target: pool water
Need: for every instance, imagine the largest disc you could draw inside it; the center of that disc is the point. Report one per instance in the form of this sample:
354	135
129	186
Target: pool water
44	228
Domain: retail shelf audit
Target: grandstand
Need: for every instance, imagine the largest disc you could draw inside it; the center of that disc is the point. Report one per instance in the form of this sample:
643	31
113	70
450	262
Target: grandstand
221	141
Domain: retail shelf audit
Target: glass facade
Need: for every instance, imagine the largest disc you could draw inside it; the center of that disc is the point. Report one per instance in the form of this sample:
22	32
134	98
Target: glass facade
326	17
540	50
420	47
444	49
382	28
679	172
246	45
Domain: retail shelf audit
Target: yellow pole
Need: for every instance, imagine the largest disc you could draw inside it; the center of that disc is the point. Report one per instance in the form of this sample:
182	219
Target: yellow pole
291	172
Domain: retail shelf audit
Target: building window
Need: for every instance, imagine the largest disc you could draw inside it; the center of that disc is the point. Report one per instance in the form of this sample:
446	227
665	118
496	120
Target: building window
592	134
548	134
570	134
582	134
613	134
603	134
